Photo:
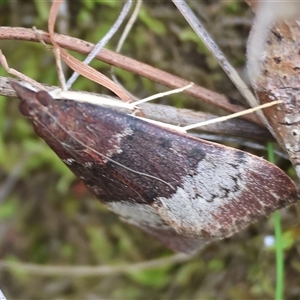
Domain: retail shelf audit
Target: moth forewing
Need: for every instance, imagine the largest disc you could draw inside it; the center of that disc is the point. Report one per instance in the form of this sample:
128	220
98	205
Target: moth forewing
183	190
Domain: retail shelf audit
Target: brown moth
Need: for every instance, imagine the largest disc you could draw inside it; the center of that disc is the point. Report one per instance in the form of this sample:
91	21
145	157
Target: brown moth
182	190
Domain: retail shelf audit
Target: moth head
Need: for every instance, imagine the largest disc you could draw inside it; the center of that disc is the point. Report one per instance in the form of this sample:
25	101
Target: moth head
33	103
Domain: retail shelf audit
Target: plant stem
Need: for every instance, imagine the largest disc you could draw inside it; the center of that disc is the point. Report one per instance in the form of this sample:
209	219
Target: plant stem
278	243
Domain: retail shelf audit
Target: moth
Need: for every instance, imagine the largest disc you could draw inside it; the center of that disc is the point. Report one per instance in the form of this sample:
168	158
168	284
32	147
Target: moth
180	189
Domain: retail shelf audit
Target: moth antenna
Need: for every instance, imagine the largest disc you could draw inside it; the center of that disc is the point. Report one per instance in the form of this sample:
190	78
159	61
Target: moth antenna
104	156
184	129
235	115
159	95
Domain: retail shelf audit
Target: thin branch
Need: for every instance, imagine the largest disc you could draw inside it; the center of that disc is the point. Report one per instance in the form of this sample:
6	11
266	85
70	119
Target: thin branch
88	271
122	40
99	46
77	65
131	65
199	29
14	175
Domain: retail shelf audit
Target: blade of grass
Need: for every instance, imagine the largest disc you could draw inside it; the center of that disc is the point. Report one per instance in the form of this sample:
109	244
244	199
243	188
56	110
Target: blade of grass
278	242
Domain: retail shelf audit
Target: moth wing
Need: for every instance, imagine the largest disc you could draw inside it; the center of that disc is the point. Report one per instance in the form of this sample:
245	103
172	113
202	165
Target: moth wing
148	219
226	195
